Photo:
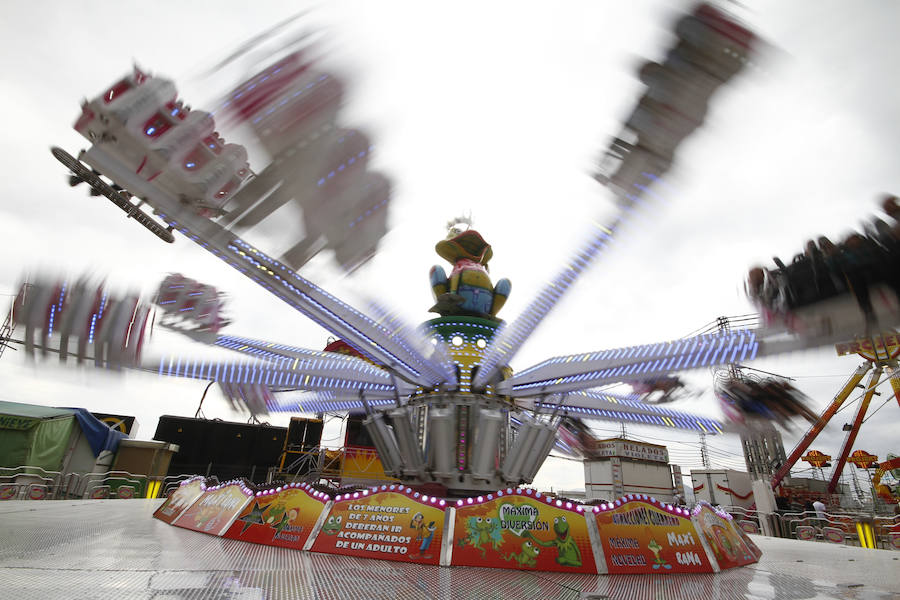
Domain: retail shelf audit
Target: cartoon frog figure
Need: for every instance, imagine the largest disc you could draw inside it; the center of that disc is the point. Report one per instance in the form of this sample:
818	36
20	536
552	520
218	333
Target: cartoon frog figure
481	531
332	525
275	513
468	290
527	556
567	550
658	561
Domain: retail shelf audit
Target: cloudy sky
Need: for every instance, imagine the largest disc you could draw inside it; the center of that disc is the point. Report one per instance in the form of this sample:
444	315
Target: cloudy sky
499	109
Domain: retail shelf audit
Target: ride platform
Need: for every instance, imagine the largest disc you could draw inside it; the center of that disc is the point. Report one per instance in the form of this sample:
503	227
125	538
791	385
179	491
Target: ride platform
116	549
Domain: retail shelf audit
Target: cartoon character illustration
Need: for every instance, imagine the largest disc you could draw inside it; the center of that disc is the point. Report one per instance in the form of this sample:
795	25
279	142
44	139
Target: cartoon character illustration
527	556
418	523
567	550
468	289
275	513
332	525
481	531
658	562
426	541
281	524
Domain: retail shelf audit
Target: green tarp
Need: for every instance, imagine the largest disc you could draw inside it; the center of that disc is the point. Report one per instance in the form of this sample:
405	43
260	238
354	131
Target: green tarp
37	436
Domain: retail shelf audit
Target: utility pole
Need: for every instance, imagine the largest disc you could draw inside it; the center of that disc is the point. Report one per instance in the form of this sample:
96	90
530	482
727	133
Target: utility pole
704	455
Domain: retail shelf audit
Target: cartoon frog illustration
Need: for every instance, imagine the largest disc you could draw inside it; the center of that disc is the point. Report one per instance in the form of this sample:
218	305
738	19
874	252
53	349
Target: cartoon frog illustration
527	556
658	561
567	550
332	525
481	531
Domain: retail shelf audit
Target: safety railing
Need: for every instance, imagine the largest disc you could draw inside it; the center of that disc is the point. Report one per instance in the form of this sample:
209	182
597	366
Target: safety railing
34	483
847	527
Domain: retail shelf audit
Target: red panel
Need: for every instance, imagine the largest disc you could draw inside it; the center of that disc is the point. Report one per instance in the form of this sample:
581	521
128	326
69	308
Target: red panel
522	530
722	538
390	525
279	518
642	536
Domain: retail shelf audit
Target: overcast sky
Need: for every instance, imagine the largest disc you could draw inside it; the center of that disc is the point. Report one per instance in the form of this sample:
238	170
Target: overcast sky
496	108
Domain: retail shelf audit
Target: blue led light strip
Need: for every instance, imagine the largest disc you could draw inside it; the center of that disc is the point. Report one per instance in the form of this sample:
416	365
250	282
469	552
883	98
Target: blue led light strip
510	338
334	315
644	412
354	327
585	371
322	377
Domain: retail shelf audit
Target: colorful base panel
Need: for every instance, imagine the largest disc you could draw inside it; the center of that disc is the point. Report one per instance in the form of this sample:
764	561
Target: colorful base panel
396	524
522	529
283	516
519	529
643	536
180	499
215	509
722	537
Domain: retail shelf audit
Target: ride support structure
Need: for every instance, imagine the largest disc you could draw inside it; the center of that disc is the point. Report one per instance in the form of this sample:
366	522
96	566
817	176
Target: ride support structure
881	352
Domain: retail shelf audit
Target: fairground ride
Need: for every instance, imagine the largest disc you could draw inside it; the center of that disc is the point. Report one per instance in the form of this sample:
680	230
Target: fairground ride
443	407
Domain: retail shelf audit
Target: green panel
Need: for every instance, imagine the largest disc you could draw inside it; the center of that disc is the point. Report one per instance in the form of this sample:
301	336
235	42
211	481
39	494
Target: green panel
447	327
49	442
33	411
13	447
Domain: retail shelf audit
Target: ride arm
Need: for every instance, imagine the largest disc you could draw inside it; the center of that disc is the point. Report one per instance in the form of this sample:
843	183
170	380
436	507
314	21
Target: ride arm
820	424
395	352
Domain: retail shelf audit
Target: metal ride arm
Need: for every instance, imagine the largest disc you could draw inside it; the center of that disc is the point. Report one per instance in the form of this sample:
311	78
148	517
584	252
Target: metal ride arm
322	375
600	405
393	351
593	369
850	438
895	380
817	427
270	351
511	337
589	370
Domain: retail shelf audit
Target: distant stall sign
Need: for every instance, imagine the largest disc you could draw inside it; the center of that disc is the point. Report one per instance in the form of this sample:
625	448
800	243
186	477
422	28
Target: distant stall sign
816	458
863	459
879	347
623	449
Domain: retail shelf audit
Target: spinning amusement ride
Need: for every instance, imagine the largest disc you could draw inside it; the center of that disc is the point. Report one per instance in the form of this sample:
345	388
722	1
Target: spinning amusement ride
442	405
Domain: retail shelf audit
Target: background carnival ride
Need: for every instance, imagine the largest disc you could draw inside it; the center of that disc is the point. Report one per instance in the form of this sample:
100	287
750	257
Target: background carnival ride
880	353
448	422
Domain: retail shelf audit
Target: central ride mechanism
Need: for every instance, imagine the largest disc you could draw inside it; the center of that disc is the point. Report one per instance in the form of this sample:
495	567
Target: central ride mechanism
465	439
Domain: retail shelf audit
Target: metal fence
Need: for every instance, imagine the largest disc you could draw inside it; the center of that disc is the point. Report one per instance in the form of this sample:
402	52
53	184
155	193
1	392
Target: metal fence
851	528
34	483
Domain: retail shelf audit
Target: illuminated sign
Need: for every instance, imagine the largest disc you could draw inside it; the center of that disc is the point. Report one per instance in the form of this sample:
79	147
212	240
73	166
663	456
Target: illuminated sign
180	499
863	459
816	458
879	347
215	510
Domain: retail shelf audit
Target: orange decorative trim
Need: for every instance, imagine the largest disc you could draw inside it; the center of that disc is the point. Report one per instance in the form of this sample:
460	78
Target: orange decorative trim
733	493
